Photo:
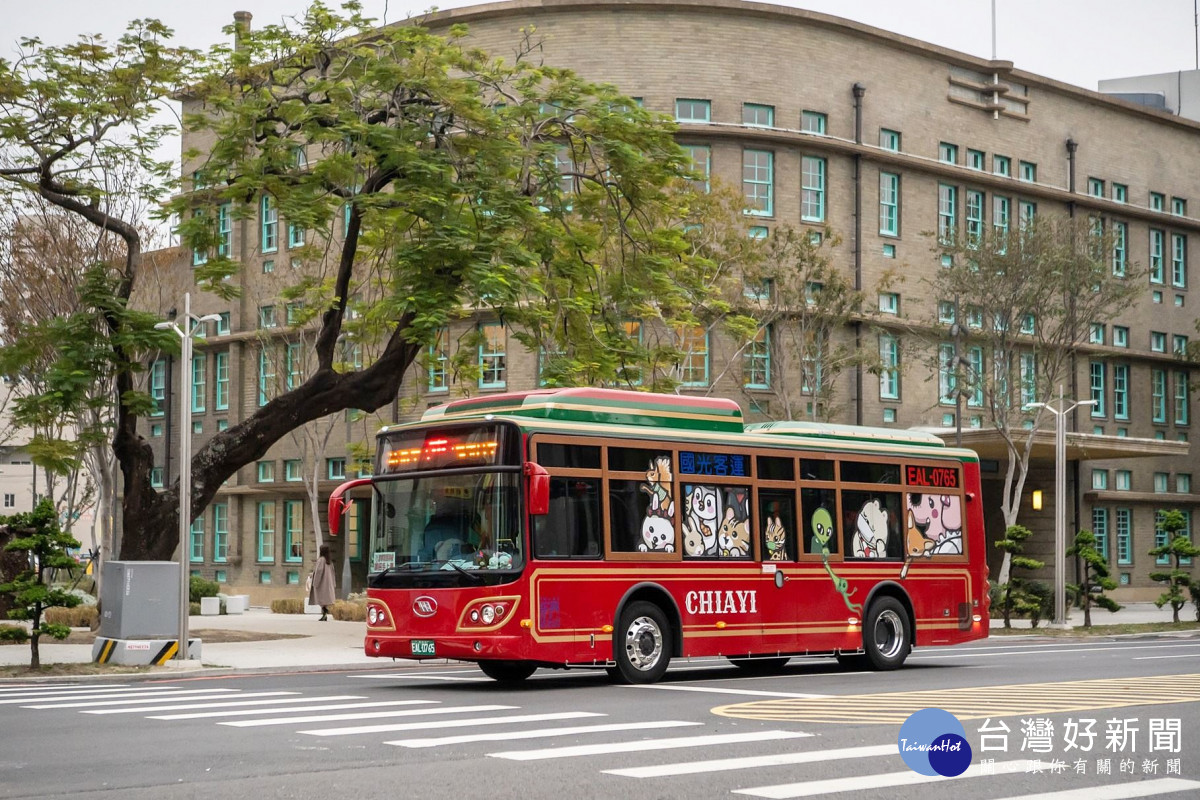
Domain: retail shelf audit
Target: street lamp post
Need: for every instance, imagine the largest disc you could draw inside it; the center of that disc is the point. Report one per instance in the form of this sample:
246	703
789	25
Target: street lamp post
1060	498
191	325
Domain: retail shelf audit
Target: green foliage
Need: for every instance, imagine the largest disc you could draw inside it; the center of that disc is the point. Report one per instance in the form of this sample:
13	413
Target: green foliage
1096	576
1019	596
200	587
1194	591
37	534
1178	547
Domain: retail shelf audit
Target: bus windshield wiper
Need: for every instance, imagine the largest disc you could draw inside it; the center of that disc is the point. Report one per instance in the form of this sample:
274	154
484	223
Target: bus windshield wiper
470	575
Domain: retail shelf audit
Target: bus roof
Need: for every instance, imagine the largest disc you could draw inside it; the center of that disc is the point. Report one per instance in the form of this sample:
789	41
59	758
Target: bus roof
626	414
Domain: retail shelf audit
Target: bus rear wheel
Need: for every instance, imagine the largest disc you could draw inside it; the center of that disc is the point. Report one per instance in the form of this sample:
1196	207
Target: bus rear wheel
642	643
758	666
507	671
887	634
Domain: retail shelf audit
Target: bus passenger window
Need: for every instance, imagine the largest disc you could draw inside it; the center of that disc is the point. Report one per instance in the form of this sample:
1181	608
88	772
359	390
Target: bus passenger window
572	527
777	525
819	509
716	521
872	524
634	526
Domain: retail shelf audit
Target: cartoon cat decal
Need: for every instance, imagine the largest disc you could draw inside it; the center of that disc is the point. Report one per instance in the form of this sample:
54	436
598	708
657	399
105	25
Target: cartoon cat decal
702	518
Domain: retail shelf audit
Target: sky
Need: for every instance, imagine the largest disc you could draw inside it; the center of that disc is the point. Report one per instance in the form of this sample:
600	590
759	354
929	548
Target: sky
1076	41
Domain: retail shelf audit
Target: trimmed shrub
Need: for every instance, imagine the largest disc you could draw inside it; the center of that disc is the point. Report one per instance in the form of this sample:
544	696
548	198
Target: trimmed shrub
287	605
349	611
199	587
77	617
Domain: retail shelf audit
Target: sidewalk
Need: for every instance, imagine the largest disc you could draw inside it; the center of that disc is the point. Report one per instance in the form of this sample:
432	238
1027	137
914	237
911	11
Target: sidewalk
1130	614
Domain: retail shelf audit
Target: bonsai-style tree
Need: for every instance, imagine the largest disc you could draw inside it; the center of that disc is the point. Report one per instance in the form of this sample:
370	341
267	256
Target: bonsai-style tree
1015	594
1178	547
37	534
1095	581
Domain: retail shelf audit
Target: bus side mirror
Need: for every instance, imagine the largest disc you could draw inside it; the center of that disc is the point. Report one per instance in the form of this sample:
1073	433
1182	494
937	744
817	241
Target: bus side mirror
538	489
337	507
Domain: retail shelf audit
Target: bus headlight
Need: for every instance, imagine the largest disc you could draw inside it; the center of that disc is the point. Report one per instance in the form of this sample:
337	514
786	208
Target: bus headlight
371	615
489	615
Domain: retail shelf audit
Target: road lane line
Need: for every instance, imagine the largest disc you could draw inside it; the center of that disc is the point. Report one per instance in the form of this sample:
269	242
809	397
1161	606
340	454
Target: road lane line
231	703
1155	658
145	698
256	723
881	780
540	733
452	723
1044	651
64	687
647	744
1118	791
93	695
718	690
290	710
753	762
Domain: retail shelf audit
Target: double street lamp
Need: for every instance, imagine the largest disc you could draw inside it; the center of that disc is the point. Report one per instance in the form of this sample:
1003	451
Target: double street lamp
191	324
1060	497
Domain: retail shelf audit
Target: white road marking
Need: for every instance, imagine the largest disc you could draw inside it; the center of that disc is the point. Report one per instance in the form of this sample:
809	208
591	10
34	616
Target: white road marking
92	695
59	687
647	744
718	690
290	710
540	733
124	700
255	723
1045	650
753	762
1155	658
881	780
231	703
1118	791
452	723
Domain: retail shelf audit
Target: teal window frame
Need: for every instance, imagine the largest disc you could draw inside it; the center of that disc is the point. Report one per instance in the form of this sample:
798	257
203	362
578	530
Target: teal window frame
158	386
199	382
199	257
224	230
947	153
1001	218
196	540
1179	345
701	159
266	471
1095	187
220	532
758	115
1097	380
1158	201
266	376
889	303
1002	166
1179	260
1120	192
814	122
1027	365
1158	239
221	380
1124	480
1183	483
889	376
1100	530
812	196
1158	396
889	204
1100	480
492	356
946	312
947	226
293	470
975	379
156	477
694	367
335	469
1120	336
223	324
758	182
294	364
1124	536
1028	172
439	358
1158	342
947	377
267	318
1026	213
293	531
1121	391
976	159
265	532
296	235
686	108
974	217
268	217
889	140
1120	251
1182	398
756	360
1178	207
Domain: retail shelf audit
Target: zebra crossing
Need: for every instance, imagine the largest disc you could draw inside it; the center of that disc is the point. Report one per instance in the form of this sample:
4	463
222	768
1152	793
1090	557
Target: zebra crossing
774	769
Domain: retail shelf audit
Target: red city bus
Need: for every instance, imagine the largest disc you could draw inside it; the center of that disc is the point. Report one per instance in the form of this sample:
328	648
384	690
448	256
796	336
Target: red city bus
593	527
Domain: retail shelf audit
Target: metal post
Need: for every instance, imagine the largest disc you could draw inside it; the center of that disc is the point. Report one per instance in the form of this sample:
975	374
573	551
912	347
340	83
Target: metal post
185	473
1060	512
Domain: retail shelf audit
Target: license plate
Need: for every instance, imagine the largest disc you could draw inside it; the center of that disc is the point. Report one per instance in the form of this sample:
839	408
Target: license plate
422	647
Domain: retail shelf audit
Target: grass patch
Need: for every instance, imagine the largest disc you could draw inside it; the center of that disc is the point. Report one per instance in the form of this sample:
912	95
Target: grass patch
1100	630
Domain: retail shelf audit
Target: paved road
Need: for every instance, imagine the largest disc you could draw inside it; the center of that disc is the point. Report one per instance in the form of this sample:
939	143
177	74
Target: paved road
707	731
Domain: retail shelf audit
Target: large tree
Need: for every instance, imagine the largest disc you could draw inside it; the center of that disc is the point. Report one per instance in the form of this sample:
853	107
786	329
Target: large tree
1013	307
424	176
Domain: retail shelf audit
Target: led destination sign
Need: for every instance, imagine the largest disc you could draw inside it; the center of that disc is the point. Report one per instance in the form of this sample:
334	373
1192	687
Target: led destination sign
409	451
931	477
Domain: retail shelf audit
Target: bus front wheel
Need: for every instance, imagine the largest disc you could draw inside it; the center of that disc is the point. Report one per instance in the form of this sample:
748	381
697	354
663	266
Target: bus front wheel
642	643
887	634
507	671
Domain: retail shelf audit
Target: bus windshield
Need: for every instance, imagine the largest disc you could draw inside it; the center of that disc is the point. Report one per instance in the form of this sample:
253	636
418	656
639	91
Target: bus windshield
463	522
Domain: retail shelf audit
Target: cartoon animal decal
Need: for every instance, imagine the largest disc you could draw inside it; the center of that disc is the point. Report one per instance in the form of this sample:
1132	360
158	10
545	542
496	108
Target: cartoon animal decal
822	530
658	486
657	535
871	531
934	527
733	537
776	539
693	540
702	517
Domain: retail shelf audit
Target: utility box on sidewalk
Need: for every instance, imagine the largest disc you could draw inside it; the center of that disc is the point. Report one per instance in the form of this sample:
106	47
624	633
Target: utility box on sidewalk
139	600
